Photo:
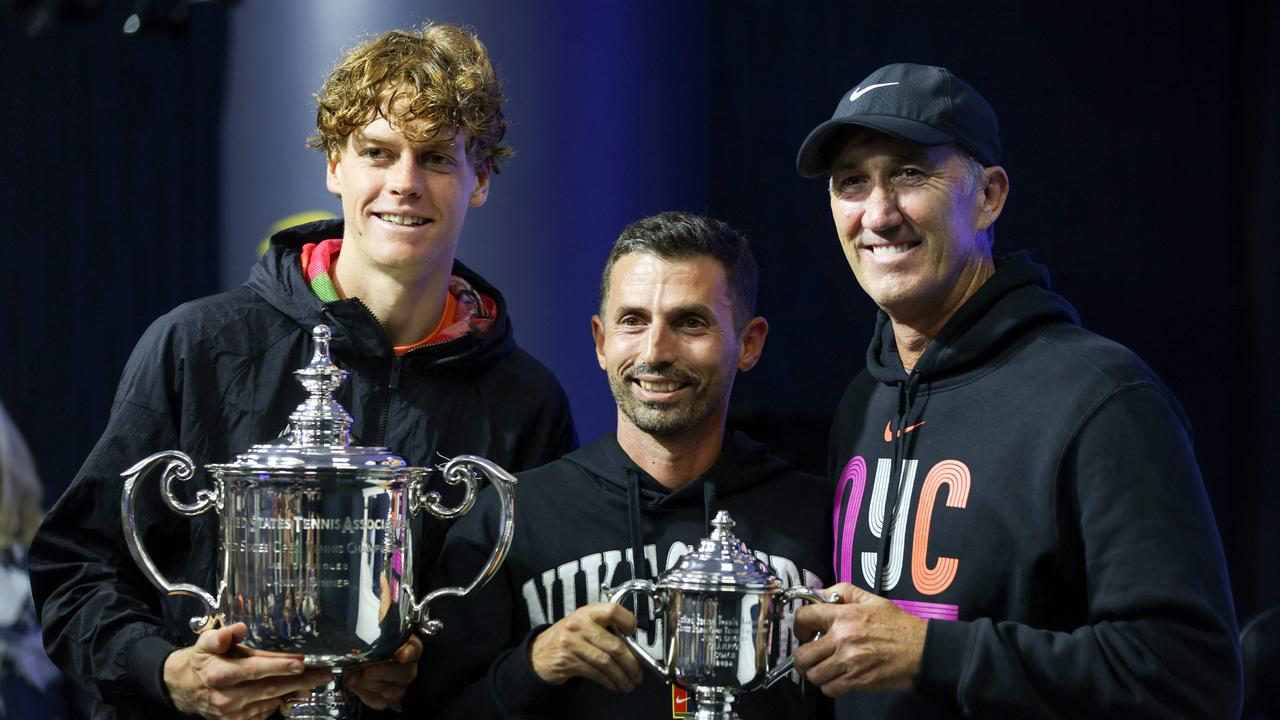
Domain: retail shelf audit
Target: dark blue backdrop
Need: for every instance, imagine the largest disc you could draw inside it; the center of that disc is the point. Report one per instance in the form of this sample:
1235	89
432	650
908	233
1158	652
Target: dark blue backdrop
1142	148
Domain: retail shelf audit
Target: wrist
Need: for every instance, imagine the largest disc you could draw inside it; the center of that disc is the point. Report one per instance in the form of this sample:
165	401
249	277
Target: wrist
531	656
176	666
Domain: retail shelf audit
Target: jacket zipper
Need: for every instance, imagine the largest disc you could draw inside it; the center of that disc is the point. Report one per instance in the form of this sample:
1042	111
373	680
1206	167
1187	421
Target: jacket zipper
384	417
393	384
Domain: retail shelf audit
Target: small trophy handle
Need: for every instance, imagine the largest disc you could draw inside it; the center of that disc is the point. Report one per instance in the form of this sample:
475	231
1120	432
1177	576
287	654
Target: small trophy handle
179	466
645	587
808	595
462	469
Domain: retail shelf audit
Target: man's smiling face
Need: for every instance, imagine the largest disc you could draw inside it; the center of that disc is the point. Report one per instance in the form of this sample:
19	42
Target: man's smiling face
667	342
404	201
908	219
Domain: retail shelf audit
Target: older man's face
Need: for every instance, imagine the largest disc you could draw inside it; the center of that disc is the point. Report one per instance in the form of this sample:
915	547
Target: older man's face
908	219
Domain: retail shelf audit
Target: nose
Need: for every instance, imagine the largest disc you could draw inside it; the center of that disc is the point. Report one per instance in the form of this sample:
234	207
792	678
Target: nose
880	209
659	345
406	178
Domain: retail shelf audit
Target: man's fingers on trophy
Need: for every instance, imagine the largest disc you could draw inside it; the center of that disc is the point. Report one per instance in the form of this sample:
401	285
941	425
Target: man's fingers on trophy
616	661
847	593
378	693
260	667
813	619
256	711
382	684
600	666
612	615
809	654
273	689
263	711
219	640
239	708
409	652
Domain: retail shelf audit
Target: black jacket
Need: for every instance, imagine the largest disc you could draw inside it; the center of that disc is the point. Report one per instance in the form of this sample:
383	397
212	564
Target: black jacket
1051	521
577	525
214	377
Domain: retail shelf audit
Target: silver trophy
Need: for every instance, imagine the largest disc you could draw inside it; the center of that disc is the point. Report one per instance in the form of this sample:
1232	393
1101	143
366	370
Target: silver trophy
722	607
317	538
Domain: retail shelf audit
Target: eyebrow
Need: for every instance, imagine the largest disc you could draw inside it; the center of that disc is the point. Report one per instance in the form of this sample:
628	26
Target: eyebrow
699	309
360	136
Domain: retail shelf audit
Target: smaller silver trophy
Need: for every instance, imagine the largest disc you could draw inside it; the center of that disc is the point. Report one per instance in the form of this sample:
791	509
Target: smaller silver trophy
722	607
319	539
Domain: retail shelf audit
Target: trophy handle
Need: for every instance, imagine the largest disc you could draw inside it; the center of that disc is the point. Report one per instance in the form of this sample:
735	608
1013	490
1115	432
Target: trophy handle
808	595
178	466
462	469
645	587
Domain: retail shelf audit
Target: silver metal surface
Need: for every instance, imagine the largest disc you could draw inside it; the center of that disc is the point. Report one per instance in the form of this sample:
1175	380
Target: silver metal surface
720	622
318	540
463	469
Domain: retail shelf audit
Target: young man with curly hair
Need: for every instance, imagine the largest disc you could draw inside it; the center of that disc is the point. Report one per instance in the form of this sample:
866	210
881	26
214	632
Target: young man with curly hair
411	125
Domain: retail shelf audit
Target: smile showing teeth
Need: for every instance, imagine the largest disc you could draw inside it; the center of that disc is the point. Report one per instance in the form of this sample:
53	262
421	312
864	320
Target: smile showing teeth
891	249
406	220
660	386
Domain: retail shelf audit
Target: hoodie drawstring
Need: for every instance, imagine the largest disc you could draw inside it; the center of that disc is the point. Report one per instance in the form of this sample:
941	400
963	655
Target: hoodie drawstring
639	566
708	503
906	397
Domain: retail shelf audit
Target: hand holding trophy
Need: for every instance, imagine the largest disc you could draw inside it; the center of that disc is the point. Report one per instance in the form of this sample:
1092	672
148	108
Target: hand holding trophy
722	607
318	539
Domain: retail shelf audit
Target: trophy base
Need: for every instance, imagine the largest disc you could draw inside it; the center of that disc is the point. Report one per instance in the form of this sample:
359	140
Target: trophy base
714	703
325	702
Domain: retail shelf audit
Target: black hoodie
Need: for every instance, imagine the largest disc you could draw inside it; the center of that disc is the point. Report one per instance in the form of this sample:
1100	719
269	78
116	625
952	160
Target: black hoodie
1030	488
214	377
574	531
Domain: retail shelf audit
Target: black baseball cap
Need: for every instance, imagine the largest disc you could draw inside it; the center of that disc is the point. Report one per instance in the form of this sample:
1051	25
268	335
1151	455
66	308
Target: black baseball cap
917	103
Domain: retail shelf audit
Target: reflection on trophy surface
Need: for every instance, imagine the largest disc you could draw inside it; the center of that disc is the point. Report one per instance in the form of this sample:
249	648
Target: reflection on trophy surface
723	606
318	538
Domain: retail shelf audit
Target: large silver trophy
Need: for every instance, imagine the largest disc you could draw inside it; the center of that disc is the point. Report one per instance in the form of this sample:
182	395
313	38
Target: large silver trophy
722	608
317	538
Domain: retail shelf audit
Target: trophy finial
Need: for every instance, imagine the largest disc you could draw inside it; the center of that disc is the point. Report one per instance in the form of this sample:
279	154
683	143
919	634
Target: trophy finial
723	525
320	420
321	334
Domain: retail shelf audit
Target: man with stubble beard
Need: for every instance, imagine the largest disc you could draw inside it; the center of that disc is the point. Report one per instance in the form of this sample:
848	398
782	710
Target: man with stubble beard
1021	526
676	324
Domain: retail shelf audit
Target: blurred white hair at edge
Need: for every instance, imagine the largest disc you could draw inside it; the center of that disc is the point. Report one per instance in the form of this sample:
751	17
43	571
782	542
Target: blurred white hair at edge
20	488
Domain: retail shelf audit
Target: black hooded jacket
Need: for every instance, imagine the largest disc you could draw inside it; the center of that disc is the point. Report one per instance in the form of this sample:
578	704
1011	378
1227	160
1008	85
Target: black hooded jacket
214	377
1030	488
577	522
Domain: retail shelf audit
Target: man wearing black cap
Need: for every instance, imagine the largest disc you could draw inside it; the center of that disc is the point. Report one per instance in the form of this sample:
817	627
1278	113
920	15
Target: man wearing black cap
1021	529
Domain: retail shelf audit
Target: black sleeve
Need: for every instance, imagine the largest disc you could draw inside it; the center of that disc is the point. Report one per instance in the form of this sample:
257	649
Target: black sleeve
1160	641
552	435
101	618
477	666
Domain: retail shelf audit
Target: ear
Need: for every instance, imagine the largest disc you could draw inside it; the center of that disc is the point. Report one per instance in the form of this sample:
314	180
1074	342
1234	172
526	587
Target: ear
481	193
751	343
597	333
991	197
331	180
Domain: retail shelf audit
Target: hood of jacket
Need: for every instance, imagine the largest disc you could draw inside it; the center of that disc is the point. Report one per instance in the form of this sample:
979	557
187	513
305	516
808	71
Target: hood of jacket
743	463
278	279
1017	298
1013	301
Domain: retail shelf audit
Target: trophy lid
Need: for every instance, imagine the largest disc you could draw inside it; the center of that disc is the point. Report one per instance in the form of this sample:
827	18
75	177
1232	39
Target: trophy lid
721	562
319	433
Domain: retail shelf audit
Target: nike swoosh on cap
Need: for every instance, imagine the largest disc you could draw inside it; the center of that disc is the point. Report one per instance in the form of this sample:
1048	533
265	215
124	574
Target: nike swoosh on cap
859	92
